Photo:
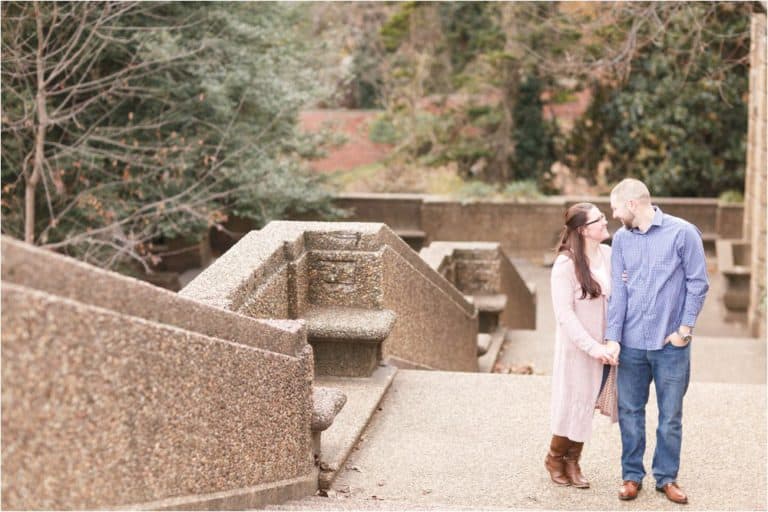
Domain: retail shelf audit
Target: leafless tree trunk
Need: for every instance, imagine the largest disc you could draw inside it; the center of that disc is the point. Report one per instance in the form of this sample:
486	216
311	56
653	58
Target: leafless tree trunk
33	178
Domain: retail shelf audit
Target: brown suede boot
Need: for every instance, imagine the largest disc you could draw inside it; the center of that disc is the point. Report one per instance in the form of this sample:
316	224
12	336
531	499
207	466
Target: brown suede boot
572	469
554	462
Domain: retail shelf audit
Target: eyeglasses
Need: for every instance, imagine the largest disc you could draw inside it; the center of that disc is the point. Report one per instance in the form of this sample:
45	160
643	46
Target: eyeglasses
600	218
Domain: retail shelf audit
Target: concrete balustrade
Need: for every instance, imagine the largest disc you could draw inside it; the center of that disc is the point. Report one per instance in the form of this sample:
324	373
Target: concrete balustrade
118	394
484	273
367	297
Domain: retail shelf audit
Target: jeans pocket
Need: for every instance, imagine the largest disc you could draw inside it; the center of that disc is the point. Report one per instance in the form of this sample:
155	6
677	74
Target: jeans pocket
672	343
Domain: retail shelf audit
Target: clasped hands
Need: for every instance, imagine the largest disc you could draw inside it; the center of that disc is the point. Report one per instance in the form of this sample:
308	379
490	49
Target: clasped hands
607	353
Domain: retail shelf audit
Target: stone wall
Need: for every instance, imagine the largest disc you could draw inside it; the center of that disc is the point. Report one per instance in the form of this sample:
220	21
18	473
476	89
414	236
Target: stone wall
757	167
119	394
398	211
525	228
730	220
421	219
521	228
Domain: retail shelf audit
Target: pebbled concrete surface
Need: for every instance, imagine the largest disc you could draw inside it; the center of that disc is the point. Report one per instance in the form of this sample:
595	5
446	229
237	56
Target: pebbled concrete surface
477	441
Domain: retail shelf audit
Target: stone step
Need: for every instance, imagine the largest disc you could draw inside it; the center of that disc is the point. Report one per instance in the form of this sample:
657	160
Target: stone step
363	398
342	501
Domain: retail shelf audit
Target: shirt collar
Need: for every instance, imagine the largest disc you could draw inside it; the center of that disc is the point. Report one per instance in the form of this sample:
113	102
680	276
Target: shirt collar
658	216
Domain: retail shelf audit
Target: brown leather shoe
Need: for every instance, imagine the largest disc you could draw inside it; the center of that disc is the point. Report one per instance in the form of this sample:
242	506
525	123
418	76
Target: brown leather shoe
673	493
629	489
555	461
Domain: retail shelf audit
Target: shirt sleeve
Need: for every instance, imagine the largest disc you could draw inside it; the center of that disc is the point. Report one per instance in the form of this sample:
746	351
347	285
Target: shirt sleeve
691	251
617	303
562	303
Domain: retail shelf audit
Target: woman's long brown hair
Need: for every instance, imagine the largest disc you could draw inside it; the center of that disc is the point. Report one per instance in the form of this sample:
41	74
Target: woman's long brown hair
572	244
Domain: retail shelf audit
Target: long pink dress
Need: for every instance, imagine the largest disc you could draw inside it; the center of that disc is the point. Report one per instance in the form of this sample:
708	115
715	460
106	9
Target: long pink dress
580	324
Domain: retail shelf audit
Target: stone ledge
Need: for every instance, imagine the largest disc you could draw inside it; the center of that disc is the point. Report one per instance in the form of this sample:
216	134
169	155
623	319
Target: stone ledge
737	270
483	343
135	397
410	233
486	362
326	404
491	303
353	324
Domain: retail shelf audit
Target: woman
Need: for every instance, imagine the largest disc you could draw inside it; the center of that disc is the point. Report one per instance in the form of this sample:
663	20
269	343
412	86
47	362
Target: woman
581	284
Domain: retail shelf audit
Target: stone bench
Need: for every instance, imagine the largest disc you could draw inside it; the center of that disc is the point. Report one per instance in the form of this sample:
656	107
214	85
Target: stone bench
733	258
347	341
489	308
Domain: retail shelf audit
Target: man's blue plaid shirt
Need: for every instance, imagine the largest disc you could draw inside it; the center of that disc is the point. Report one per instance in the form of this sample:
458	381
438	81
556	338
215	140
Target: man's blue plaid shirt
666	282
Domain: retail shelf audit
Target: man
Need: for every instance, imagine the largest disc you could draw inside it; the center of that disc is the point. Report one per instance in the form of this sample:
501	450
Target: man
660	281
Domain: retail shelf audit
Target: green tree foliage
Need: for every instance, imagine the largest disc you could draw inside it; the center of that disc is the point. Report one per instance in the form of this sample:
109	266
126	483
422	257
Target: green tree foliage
679	120
668	82
125	123
468	59
396	30
471	28
535	146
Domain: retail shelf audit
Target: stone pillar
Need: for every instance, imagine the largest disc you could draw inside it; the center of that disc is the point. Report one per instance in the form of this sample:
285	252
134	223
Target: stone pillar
757	167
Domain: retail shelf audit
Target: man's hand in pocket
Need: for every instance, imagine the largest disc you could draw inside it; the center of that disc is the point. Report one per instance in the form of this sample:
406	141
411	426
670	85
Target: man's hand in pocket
676	340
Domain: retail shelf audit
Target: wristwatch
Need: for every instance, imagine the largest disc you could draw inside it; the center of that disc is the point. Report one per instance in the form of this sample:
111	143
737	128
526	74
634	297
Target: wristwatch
687	338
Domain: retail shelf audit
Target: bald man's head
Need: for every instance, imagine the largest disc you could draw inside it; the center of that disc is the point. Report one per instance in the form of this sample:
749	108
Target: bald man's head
628	200
631	189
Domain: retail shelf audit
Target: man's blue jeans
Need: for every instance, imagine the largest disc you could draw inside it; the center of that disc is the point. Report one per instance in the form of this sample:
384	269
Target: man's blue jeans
670	369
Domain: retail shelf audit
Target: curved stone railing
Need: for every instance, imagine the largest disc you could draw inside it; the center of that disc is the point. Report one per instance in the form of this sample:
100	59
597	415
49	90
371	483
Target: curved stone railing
484	273
116	393
323	272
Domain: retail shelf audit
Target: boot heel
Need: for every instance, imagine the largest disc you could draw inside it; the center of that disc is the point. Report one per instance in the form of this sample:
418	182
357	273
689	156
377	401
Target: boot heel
556	472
